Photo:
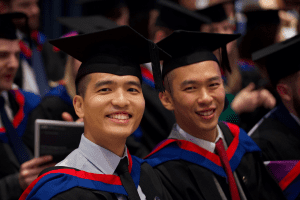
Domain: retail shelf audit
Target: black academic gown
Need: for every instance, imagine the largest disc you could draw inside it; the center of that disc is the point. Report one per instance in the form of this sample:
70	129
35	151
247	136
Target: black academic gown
149	182
278	136
188	181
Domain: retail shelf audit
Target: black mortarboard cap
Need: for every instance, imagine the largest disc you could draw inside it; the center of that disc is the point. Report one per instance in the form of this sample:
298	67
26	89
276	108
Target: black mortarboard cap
216	12
280	59
261	17
98	7
176	17
88	24
7	27
118	51
187	47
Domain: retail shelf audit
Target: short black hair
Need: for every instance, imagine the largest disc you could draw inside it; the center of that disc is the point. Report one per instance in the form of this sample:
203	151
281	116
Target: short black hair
82	84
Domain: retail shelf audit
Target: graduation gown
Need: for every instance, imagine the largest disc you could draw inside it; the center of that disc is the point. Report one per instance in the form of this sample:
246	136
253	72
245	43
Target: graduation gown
59	183
190	172
278	136
287	175
22	103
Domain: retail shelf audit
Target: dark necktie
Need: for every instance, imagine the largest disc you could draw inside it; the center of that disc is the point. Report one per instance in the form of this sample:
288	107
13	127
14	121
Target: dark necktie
39	70
224	160
14	140
127	180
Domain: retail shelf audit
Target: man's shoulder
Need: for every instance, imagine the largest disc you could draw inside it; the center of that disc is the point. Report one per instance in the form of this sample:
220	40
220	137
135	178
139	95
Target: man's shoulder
56	181
269	128
73	160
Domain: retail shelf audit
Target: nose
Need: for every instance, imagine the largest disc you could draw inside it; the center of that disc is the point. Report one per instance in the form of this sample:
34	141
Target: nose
120	99
205	97
13	61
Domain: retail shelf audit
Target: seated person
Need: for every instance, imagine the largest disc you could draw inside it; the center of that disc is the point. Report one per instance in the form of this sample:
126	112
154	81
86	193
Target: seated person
204	158
277	133
110	101
18	168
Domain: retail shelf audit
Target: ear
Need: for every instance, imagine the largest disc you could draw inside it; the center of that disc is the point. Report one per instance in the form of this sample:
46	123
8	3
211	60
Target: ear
284	91
159	35
166	100
78	106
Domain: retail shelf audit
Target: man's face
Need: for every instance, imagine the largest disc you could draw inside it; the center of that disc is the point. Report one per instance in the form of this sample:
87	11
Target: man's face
30	8
9	62
113	107
198	96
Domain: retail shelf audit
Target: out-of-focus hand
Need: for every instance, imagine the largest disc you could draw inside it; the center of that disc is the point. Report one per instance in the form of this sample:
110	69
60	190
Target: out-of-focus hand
68	117
248	99
30	170
267	99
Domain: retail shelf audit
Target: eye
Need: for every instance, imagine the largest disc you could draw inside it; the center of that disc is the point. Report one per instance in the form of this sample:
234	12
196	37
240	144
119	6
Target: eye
189	88
3	55
214	84
104	90
133	90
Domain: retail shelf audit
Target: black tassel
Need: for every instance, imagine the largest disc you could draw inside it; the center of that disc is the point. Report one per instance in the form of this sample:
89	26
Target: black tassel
225	62
154	56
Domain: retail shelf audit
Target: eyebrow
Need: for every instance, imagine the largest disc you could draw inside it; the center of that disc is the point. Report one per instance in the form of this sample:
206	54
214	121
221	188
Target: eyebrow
101	83
187	82
135	83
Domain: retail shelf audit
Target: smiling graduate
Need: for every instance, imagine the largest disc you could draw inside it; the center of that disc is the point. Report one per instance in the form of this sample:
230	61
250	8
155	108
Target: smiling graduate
204	158
110	101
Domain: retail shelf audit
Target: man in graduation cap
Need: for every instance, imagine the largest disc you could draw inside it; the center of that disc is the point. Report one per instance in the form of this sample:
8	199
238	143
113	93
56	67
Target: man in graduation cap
39	63
277	133
204	158
58	104
17	168
110	101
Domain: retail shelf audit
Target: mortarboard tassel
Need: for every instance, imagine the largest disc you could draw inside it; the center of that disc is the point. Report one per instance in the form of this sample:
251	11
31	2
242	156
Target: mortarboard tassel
154	56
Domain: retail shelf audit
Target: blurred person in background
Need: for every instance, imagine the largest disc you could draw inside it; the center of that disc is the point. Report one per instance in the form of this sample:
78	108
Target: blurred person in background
39	63
18	168
277	133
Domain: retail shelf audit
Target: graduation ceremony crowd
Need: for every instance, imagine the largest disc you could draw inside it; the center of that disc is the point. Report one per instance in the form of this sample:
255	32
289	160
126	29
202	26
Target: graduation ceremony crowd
180	99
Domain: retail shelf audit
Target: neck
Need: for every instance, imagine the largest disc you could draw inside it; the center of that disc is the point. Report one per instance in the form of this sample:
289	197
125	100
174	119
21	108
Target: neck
116	146
208	135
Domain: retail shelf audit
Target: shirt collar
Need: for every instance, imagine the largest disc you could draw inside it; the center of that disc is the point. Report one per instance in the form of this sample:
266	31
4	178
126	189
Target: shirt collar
296	118
179	133
103	159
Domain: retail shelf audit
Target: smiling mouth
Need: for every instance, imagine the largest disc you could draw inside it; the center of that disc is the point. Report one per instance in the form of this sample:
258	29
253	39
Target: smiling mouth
119	116
206	113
